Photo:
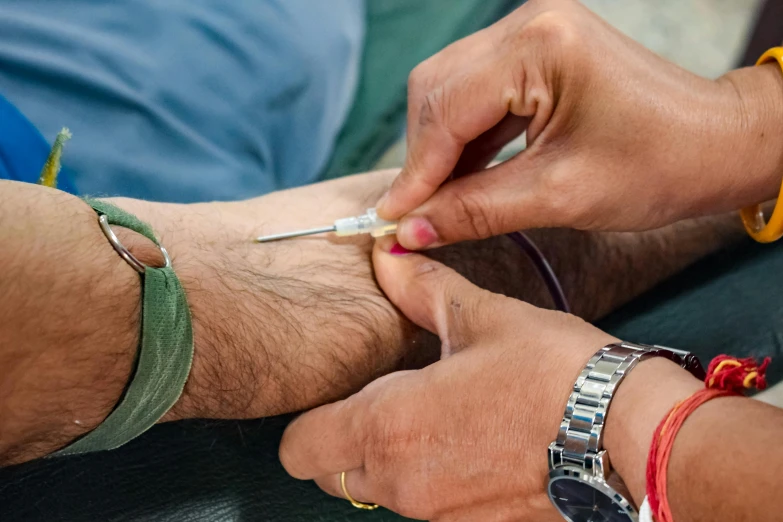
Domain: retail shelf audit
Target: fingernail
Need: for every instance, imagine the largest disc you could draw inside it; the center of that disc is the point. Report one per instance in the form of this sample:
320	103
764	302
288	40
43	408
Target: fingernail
420	230
399	250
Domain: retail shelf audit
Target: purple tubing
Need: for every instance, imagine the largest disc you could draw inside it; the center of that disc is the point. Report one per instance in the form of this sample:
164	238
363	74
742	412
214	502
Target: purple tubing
544	269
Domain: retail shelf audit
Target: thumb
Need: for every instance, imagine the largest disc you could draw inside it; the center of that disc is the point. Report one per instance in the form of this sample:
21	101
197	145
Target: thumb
434	296
515	195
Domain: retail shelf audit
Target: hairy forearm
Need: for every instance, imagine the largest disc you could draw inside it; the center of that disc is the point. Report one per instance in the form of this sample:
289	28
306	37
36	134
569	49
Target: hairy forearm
69	318
600	271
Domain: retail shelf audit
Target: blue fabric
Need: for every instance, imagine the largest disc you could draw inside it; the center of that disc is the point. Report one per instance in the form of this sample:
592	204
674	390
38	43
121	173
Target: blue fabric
23	150
184	100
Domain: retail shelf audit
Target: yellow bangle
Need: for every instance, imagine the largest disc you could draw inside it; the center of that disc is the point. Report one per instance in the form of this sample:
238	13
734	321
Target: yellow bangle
753	217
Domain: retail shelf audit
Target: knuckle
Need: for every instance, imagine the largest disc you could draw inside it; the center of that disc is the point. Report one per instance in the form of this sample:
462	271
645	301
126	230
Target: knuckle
475	211
390	434
380	423
396	434
433	107
419	76
379	448
439	107
554	28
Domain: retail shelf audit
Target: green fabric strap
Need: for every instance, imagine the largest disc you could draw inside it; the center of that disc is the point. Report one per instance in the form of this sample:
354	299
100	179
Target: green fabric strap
164	358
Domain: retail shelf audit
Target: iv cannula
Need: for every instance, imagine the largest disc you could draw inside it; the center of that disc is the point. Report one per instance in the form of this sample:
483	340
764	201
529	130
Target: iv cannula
368	223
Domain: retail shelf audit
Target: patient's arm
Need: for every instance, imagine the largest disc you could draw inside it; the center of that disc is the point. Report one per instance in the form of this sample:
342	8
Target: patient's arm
278	327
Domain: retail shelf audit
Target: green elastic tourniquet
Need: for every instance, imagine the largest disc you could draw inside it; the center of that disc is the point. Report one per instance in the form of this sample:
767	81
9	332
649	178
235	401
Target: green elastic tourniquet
164	358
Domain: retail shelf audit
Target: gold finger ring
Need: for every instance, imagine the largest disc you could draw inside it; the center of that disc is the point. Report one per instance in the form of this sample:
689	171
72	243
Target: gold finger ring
355	503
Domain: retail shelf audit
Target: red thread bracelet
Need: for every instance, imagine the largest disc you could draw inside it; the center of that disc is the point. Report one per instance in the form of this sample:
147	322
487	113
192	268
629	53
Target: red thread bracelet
725	376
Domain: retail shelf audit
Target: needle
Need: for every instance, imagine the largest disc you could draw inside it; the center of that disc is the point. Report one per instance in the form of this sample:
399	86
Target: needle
299	233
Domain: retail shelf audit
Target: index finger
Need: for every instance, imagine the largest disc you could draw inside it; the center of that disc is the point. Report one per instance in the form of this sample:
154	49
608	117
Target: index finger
331	439
451	116
324	441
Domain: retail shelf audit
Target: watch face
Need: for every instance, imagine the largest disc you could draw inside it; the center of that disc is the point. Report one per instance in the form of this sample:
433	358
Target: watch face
580	501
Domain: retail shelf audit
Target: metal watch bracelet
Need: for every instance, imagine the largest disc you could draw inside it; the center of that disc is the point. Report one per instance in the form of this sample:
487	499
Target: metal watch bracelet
580	437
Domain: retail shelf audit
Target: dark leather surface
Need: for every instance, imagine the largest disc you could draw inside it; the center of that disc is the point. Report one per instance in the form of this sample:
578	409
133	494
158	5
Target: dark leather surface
178	472
727	303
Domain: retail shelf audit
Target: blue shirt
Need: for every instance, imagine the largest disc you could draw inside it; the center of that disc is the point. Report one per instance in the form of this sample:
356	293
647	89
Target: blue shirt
181	100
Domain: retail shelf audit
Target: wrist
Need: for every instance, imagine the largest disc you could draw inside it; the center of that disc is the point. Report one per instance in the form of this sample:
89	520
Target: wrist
233	374
642	400
755	99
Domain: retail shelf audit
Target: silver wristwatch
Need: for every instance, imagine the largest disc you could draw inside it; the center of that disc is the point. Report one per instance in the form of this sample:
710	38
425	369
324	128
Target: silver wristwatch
580	483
